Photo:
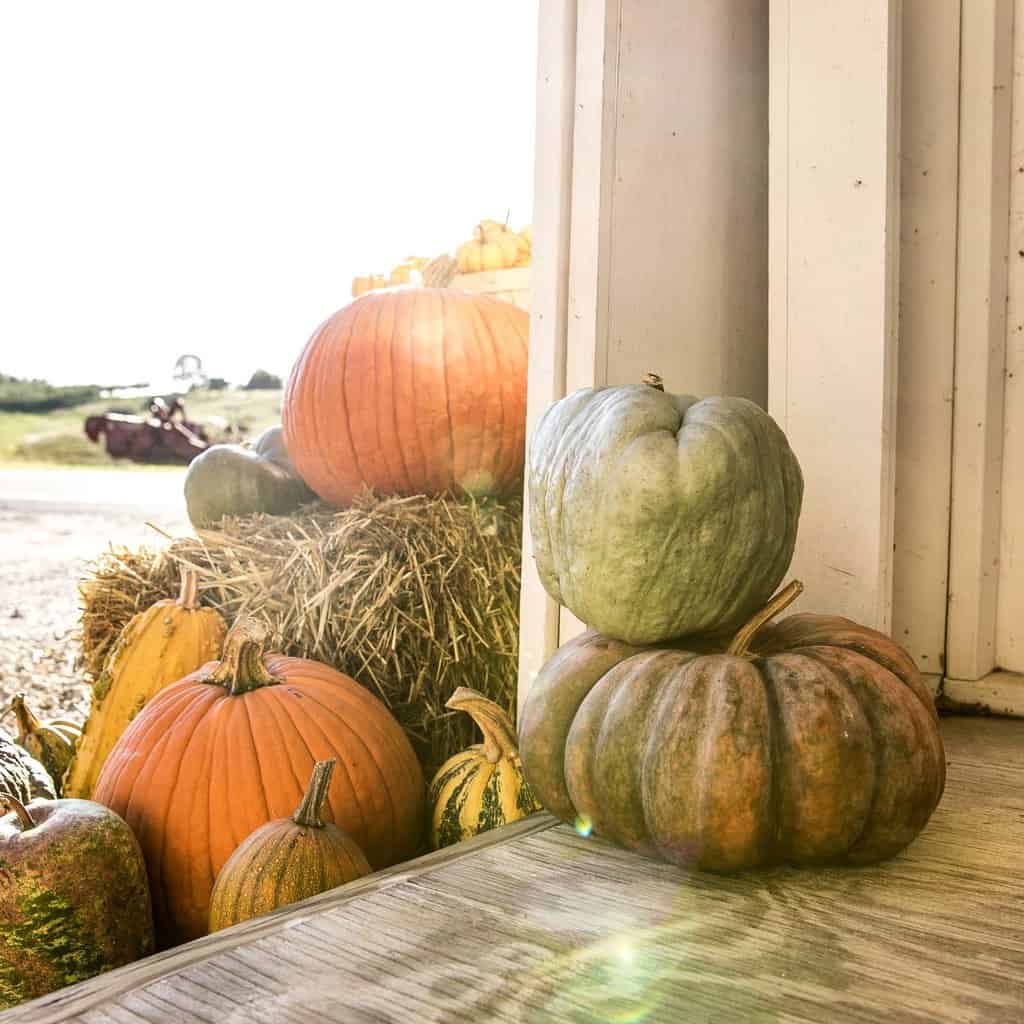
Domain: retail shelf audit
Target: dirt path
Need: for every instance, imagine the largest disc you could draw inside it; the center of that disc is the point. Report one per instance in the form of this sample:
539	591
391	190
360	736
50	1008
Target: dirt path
52	522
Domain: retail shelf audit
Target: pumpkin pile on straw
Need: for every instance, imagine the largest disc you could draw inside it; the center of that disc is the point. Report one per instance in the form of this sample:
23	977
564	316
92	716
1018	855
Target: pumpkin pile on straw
413	597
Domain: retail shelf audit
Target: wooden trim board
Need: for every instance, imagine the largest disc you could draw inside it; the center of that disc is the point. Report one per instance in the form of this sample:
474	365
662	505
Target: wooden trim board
833	289
986	68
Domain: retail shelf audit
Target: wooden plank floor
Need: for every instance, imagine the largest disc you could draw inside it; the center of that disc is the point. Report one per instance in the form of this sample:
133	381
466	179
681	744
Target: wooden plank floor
536	923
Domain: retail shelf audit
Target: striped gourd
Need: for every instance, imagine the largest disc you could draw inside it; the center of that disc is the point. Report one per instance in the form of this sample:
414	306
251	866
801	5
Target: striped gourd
159	646
286	860
51	743
481	787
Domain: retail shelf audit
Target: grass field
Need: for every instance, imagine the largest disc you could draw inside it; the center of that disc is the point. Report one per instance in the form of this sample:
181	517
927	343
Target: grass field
57	438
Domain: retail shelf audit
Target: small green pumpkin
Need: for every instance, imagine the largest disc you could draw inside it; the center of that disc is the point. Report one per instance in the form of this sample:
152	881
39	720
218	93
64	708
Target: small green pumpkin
21	775
51	743
655	516
235	480
483	786
74	900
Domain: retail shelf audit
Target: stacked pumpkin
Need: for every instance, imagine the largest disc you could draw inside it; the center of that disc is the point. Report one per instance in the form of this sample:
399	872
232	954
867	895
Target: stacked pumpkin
495	246
683	724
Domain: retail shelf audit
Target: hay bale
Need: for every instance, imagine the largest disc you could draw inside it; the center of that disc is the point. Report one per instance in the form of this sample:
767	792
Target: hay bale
413	597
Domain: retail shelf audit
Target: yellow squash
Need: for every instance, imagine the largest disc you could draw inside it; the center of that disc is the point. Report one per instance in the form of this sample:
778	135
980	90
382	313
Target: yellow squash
159	646
51	743
481	787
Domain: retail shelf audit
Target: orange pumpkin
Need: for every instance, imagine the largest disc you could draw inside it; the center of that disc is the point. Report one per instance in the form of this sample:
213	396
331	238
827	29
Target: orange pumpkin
411	391
229	748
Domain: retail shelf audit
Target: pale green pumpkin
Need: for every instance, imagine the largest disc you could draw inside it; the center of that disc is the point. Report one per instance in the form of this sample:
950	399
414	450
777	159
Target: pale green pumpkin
656	516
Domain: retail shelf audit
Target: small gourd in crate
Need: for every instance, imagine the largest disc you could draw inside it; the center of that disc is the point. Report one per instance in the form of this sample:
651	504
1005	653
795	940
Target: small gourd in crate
813	741
287	860
483	786
160	645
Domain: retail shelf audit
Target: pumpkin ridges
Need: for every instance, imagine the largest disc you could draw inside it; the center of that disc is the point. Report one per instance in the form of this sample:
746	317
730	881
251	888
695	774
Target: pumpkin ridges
501	457
514	398
364	834
895	816
828	767
392	451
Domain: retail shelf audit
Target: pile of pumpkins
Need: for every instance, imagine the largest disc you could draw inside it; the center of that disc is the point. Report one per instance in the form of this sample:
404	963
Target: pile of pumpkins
494	246
215	780
684	724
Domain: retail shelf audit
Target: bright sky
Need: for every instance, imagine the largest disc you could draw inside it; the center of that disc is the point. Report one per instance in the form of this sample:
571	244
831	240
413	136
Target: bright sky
208	175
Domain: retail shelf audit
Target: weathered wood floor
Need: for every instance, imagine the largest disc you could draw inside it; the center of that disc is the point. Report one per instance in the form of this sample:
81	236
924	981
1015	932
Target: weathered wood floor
536	923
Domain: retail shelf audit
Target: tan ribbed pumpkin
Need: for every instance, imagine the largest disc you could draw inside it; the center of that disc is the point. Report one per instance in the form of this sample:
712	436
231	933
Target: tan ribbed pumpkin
411	391
287	860
159	646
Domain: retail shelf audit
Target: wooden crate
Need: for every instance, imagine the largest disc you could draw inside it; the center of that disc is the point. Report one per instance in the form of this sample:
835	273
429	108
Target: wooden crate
511	285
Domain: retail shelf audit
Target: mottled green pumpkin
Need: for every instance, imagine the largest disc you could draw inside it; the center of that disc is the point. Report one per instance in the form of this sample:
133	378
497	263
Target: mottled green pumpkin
74	900
52	743
287	860
483	786
236	480
813	741
21	775
656	516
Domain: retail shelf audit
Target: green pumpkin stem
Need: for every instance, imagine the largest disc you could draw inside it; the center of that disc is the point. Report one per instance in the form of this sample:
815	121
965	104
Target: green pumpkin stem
28	724
652	380
309	813
499	732
188	598
242	667
740	645
14	804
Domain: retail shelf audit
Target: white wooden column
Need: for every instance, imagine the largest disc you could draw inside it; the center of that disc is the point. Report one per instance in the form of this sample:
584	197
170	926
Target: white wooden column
834	206
556	87
986	67
930	159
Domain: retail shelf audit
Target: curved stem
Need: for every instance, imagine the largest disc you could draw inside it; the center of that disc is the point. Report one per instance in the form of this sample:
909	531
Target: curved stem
14	804
652	380
783	599
242	667
27	721
309	812
188	598
493	721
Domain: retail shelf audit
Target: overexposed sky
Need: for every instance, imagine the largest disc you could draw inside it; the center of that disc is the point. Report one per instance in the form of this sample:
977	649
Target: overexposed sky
208	176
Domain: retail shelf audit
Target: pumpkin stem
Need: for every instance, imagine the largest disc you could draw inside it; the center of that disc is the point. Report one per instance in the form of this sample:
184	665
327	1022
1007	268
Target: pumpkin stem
652	380
783	599
28	724
309	812
499	732
242	667
187	599
14	804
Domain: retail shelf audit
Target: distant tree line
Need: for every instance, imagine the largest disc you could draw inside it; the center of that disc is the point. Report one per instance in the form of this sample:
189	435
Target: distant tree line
18	395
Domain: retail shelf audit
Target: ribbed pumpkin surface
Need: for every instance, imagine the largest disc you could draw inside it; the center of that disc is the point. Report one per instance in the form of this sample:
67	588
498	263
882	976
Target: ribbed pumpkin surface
286	861
159	646
411	391
200	769
822	747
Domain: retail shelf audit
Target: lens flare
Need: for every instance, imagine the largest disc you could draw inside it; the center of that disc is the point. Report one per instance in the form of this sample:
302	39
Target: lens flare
583	825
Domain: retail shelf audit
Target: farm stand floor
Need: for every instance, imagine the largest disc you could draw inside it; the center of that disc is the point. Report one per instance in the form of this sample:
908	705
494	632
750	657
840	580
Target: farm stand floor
535	923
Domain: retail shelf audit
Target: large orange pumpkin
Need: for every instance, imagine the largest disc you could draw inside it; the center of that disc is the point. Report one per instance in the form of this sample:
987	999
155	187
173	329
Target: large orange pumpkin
229	748
411	391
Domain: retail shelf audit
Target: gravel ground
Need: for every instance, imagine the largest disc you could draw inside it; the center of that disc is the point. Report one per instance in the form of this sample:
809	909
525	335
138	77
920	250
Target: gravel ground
52	522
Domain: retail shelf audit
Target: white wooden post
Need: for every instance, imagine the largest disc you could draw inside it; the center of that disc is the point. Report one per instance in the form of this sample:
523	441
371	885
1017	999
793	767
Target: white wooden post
986	68
930	158
834	204
549	284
